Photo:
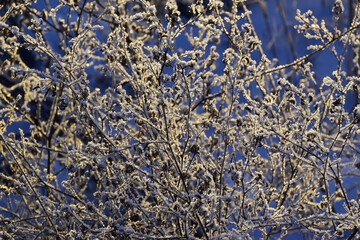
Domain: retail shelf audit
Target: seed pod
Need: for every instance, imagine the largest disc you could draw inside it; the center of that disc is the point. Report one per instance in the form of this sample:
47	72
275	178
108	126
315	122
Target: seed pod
62	104
194	149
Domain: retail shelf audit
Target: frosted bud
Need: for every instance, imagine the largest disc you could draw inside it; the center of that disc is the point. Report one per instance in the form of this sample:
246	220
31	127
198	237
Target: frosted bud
338	7
357	113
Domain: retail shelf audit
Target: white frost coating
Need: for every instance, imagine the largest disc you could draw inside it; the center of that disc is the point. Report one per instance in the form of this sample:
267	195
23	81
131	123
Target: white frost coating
126	120
328	81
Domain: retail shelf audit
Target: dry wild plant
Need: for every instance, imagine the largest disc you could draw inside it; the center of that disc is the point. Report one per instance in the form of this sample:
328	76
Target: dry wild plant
188	129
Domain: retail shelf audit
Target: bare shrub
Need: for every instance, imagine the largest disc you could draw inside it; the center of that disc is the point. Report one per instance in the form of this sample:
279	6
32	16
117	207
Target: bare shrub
168	120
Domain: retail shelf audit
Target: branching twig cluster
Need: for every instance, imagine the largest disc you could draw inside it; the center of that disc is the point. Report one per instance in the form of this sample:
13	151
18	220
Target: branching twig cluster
142	119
